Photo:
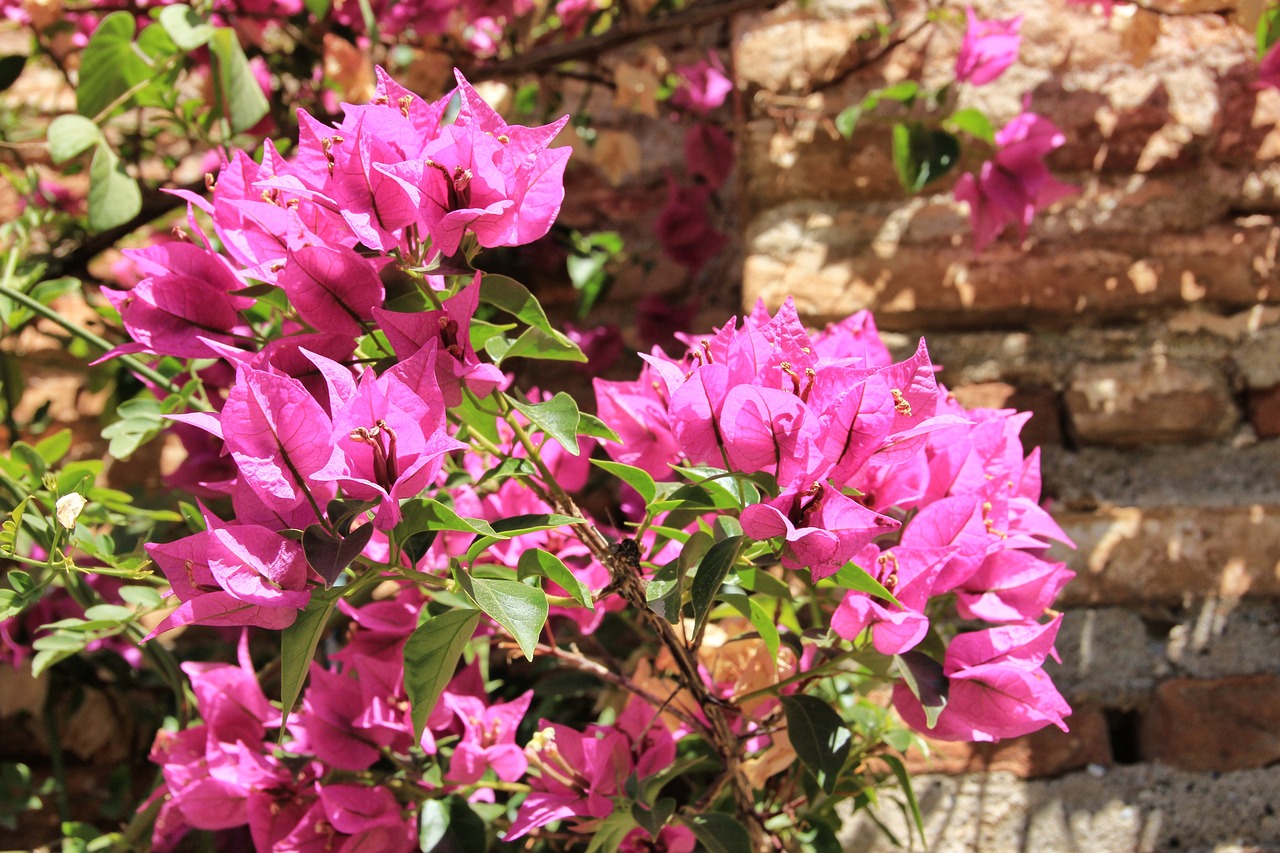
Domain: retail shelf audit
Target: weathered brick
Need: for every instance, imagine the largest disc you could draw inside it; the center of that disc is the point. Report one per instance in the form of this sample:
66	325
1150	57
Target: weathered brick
1046	753
1150	401
1214	725
1169	555
1264	411
1043	427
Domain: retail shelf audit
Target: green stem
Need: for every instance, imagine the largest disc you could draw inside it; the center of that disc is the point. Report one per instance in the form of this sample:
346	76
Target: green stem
85	335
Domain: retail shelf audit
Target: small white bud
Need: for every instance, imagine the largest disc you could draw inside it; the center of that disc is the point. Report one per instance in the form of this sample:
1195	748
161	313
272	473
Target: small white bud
69	508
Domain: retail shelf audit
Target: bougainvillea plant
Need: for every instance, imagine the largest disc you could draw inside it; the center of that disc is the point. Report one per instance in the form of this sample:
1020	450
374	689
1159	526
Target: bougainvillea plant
796	525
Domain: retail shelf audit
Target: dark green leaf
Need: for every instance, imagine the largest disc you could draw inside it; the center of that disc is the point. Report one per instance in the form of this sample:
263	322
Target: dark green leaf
240	97
557	418
974	122
521	609
819	736
114	197
712	570
652	820
431	655
187	29
636	478
544	564
719	832
924	677
433	824
71	135
922	154
329	554
664	591
298	647
10	70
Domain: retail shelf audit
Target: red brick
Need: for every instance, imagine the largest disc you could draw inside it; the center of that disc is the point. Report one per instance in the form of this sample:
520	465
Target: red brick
1048	752
1264	411
1214	725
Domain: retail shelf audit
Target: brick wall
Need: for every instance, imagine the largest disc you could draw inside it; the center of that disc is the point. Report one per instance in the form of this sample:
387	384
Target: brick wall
1140	322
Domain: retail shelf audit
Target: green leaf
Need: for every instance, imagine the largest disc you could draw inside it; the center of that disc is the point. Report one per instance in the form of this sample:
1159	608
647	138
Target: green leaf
52	448
664	591
608	834
847	119
319	9
114	197
1268	29
140	420
433	823
109	65
549	346
9	530
922	154
431	655
427	514
760	618
544	564
904	779
972	121
239	97
924	677
853	576
637	478
819	736
519	608
509	295
451	825
596	428
904	92
10	70
145	597
719	832
187	29
653	820
71	135
557	418
298	647
712	570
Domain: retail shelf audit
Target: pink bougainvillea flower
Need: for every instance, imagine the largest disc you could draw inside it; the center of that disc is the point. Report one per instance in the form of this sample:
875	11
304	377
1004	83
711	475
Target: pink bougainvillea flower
388	432
1011	586
457	363
708	153
1013	185
996	686
988	48
822	529
684	229
909	574
703	85
489	738
332	287
577	775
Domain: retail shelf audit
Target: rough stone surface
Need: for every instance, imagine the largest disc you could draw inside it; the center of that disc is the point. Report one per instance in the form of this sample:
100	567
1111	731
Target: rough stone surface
1258	358
1154	401
1143	807
1108	659
1171	555
1214	725
1219	637
1048	752
1218	475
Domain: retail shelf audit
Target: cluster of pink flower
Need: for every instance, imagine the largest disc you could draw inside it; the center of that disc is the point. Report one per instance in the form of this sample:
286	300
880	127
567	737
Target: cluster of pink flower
1013	185
862	459
830	413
